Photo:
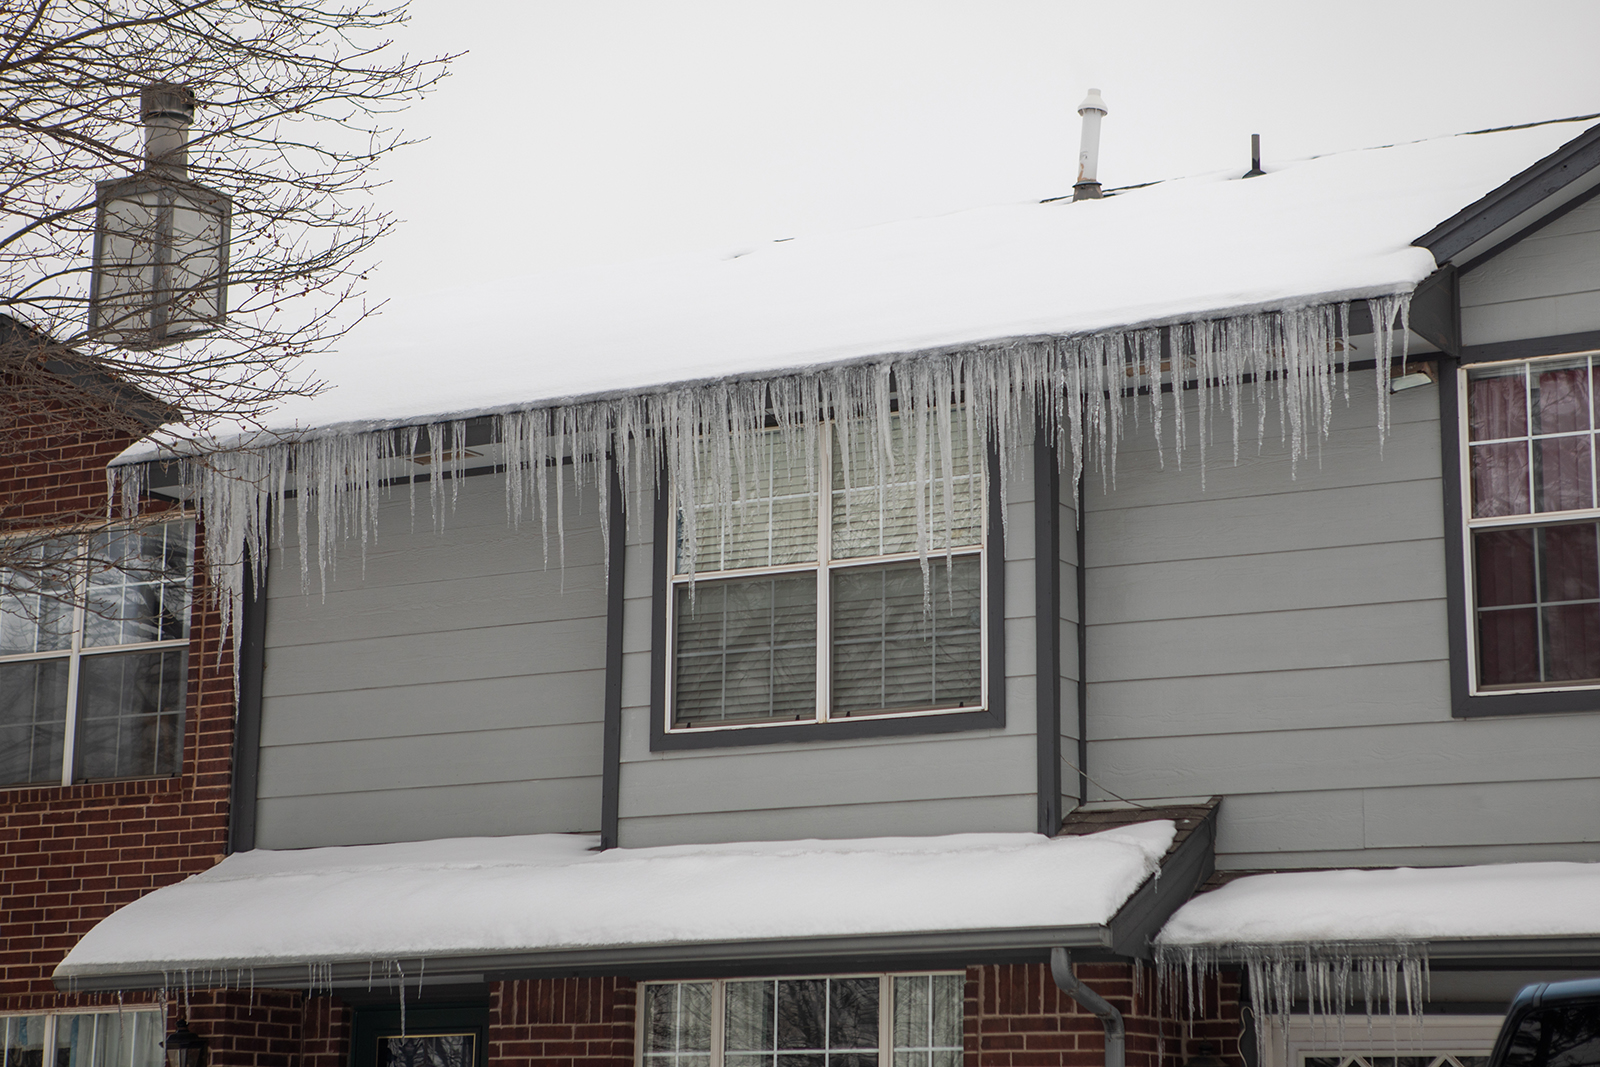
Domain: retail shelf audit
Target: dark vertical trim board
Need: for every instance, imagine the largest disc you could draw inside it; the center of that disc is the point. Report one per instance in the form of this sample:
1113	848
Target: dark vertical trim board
1083	654
252	653
1047	629
611	743
995	560
659	562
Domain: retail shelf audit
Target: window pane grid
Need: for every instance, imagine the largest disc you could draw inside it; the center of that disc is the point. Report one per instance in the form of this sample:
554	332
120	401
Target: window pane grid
824	1021
1530	431
739	659
95	674
1474	1058
1531	440
123	1038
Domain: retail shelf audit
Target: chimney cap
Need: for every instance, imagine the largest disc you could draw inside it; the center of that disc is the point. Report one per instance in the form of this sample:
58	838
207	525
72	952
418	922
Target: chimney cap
1093	102
166	100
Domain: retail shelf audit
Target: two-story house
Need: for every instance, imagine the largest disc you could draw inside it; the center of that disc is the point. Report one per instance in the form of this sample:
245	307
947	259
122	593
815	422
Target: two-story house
1036	635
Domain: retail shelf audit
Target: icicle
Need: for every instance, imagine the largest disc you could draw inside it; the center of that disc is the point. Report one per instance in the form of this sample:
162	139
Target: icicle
1325	975
707	434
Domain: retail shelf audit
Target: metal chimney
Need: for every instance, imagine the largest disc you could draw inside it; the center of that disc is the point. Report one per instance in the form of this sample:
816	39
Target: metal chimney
1093	109
167	111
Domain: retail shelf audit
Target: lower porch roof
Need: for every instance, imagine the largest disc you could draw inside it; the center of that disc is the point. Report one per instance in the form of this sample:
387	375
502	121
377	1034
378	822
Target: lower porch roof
1489	912
475	908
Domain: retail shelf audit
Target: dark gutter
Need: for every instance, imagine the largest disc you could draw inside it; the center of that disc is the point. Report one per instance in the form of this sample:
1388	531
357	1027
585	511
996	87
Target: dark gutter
1456	953
1522	193
764	956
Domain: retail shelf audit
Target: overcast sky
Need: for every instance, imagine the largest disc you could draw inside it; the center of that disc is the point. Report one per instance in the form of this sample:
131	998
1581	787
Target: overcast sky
587	131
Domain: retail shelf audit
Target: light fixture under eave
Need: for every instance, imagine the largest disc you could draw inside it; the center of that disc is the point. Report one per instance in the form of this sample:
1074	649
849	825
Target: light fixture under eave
185	1048
1418	374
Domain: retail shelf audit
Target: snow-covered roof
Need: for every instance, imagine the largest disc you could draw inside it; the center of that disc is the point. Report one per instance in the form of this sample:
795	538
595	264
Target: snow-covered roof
531	897
1319	230
1431	904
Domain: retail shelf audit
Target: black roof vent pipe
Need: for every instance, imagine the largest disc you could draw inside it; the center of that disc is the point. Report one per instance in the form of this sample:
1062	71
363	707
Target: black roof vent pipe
1255	170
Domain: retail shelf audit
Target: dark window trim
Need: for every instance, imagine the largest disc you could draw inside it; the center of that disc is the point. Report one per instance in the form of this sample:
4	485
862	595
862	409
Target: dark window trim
1532	347
993	718
616	601
1047	629
418	1020
1463	704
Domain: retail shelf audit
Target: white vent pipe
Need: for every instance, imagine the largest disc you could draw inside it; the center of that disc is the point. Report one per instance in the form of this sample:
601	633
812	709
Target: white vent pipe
1093	109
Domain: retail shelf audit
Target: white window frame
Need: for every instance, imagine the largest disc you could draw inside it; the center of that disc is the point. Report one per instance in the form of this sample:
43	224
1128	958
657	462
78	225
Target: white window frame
77	652
1400	1035
824	567
52	1017
1470	525
719	1002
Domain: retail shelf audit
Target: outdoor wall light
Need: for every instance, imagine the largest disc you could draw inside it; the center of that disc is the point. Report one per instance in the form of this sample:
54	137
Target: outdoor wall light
1206	1057
160	265
185	1048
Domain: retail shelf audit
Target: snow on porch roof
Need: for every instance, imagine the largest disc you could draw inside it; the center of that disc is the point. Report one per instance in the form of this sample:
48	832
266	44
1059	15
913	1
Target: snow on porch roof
1314	231
510	903
1490	910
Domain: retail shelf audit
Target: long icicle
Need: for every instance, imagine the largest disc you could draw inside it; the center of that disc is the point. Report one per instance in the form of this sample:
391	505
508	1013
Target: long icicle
1081	389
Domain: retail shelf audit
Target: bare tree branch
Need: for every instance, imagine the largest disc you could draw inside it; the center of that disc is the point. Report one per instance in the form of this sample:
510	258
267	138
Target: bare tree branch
295	97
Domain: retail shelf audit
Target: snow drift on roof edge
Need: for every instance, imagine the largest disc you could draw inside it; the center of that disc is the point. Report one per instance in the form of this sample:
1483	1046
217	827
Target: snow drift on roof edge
487	895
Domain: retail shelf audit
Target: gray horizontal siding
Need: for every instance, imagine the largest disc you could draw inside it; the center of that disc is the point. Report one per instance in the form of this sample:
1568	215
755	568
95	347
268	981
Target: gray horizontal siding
1282	642
897	818
451	685
924	784
1444	824
490	809
1547	284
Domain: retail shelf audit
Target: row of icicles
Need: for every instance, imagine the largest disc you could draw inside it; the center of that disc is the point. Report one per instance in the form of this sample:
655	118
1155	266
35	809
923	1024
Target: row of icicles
1081	392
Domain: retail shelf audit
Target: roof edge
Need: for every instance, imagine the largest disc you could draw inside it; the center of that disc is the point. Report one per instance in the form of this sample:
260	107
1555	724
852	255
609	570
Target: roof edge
152	451
1182	871
628	959
1514	197
1500	949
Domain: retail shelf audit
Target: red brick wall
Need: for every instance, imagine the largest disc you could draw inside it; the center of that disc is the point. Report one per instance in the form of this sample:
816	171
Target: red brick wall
70	856
562	1022
1016	1016
243	1027
325	1033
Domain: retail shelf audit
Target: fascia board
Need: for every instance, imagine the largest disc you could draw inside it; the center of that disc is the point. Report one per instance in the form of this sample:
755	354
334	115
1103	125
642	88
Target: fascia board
1148	910
747	956
1547	185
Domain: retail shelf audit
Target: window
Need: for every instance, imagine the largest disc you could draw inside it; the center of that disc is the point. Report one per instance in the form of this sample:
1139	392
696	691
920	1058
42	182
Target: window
94	638
1532	525
814	606
1432	1040
83	1039
848	1021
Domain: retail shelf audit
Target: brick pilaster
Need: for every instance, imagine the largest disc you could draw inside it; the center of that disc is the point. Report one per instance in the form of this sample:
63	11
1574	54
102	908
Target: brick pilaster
562	1022
325	1033
245	1028
1015	1016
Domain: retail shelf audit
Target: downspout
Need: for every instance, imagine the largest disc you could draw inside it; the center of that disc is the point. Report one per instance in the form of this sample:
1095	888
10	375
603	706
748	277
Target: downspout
1110	1018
